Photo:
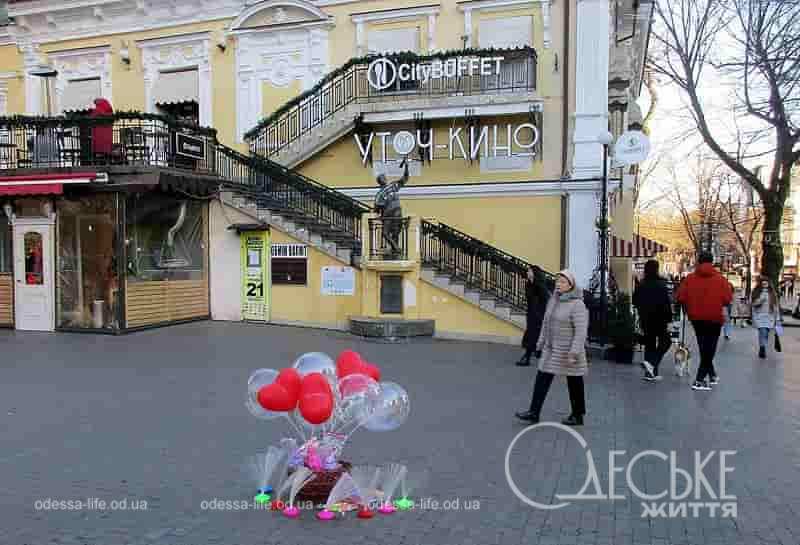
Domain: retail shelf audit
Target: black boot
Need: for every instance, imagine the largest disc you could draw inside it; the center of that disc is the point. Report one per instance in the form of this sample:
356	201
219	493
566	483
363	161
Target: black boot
523	362
762	352
573	420
528	416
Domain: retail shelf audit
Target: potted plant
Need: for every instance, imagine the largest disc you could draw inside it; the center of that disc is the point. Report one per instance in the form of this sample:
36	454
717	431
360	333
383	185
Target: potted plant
621	328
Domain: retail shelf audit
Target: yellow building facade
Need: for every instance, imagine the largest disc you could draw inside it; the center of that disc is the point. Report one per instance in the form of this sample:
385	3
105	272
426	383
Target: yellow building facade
503	139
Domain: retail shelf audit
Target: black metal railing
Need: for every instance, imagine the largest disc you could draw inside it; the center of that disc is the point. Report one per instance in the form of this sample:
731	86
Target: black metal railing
388	239
136	139
351	84
477	264
121	139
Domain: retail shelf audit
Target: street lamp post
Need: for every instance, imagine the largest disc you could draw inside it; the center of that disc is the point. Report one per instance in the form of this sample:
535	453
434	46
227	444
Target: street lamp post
605	140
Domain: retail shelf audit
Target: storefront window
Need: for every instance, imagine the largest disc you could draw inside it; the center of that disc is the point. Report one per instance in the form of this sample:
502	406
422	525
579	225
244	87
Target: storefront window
34	273
164	238
5	243
88	286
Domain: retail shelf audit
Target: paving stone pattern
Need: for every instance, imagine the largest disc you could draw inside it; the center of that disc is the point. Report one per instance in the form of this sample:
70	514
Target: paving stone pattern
159	416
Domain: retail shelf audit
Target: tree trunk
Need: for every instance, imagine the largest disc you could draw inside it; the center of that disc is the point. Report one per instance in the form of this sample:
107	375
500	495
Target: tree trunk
772	249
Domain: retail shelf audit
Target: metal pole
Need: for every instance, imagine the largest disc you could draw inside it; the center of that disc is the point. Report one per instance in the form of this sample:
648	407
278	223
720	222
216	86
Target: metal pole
604	250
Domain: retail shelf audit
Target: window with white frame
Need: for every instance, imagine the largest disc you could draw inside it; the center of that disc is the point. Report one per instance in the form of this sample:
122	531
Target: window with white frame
393	40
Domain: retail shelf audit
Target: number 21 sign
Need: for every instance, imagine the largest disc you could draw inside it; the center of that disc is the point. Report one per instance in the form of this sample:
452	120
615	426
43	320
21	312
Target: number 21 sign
255	276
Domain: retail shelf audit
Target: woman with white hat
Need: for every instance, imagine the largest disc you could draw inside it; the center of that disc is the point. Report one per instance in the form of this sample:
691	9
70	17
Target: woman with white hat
562	343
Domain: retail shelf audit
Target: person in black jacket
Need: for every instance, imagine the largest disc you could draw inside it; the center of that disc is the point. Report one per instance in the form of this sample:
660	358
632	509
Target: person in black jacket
537	295
652	301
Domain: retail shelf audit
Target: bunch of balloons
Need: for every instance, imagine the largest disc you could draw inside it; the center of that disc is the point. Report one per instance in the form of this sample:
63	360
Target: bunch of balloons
322	398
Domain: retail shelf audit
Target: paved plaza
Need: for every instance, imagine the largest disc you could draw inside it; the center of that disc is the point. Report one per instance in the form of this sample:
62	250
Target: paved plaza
158	418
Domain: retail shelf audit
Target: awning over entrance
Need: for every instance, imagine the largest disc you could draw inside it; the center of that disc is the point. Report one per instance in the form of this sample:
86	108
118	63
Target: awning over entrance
42	184
639	247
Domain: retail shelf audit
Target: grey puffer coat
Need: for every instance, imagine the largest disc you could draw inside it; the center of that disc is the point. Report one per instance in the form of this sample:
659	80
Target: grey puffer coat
563	336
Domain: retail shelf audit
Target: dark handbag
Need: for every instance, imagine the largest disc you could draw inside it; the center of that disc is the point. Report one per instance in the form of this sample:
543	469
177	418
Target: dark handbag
777	343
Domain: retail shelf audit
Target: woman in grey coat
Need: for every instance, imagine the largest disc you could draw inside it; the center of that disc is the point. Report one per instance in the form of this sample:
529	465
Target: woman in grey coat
765	313
562	342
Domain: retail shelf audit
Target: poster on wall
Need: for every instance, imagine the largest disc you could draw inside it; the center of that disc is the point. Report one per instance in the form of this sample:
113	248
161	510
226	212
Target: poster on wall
255	276
338	281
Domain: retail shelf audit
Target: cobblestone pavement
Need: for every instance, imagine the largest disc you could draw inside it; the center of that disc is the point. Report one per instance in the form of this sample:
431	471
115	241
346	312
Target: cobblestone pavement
158	416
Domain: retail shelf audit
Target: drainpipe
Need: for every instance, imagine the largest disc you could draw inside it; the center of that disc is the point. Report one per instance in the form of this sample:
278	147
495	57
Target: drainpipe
565	79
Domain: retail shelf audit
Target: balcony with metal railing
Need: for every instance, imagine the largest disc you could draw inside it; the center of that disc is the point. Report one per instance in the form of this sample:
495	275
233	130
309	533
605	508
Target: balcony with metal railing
495	79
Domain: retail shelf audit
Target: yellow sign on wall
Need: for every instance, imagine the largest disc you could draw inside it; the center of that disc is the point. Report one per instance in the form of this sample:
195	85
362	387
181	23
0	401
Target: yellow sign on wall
255	276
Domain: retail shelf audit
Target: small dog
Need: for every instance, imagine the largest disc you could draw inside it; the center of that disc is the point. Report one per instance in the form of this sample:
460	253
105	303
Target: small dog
682	357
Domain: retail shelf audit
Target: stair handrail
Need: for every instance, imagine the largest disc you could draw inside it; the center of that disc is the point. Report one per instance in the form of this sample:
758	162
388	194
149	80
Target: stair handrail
348	84
495	271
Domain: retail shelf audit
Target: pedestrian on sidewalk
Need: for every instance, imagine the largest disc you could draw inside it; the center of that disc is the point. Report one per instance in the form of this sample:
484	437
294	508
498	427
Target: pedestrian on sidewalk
727	327
652	301
562	342
704	294
536	295
765	305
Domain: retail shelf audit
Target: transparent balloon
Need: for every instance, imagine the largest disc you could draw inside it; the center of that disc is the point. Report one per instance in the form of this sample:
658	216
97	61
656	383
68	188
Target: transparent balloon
258	379
359	399
392	410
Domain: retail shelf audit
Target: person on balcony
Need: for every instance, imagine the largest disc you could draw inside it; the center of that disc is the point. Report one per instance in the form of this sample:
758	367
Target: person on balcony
102	133
536	295
387	204
562	342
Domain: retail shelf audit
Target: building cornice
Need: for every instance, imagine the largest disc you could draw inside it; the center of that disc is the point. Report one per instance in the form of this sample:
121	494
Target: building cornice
487	189
477	5
79	51
395	14
173	40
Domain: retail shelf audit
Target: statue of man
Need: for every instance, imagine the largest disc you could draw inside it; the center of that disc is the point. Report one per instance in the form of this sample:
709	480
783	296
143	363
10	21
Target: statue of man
387	203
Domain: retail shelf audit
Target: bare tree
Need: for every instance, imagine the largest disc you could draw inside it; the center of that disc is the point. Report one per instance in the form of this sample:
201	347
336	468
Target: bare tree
755	45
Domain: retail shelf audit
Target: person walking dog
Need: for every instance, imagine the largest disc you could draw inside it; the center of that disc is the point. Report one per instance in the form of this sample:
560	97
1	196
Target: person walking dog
704	294
766	306
536	294
562	342
652	301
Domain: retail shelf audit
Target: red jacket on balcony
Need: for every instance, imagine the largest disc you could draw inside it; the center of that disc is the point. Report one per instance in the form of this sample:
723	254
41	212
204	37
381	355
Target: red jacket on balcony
102	135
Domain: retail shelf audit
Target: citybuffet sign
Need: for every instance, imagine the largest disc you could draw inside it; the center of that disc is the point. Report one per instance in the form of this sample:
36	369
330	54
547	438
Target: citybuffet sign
460	142
384	72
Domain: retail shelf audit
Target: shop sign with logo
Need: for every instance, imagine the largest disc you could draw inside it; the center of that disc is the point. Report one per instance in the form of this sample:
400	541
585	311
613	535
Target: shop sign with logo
255	275
384	72
190	146
486	141
631	148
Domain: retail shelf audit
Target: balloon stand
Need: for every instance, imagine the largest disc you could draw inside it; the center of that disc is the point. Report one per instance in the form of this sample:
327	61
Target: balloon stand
324	403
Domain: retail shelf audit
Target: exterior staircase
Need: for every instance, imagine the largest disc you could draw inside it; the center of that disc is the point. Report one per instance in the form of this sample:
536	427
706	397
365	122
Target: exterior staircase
331	109
476	272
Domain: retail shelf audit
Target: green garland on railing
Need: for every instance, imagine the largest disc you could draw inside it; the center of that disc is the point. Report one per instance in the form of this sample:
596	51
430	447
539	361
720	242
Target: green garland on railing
21	120
399	57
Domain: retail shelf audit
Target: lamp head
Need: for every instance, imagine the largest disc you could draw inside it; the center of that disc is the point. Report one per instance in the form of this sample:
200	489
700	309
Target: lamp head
605	138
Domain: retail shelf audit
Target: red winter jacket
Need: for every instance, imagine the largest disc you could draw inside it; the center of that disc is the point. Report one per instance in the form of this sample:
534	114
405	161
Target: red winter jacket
704	293
102	135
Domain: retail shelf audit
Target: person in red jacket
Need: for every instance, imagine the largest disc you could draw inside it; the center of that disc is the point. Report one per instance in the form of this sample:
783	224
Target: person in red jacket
704	294
102	133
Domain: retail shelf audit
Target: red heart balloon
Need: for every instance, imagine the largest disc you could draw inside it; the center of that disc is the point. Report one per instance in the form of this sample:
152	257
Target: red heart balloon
275	397
347	363
290	379
316	408
372	370
315	383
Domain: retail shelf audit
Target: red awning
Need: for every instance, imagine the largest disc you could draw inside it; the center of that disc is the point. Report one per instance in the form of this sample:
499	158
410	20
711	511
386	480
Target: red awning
38	189
640	247
42	184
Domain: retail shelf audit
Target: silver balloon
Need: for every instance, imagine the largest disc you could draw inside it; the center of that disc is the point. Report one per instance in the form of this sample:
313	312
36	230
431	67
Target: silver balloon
393	408
259	379
360	395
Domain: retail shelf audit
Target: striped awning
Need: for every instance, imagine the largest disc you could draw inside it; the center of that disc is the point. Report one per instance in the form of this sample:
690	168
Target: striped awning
639	247
80	94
